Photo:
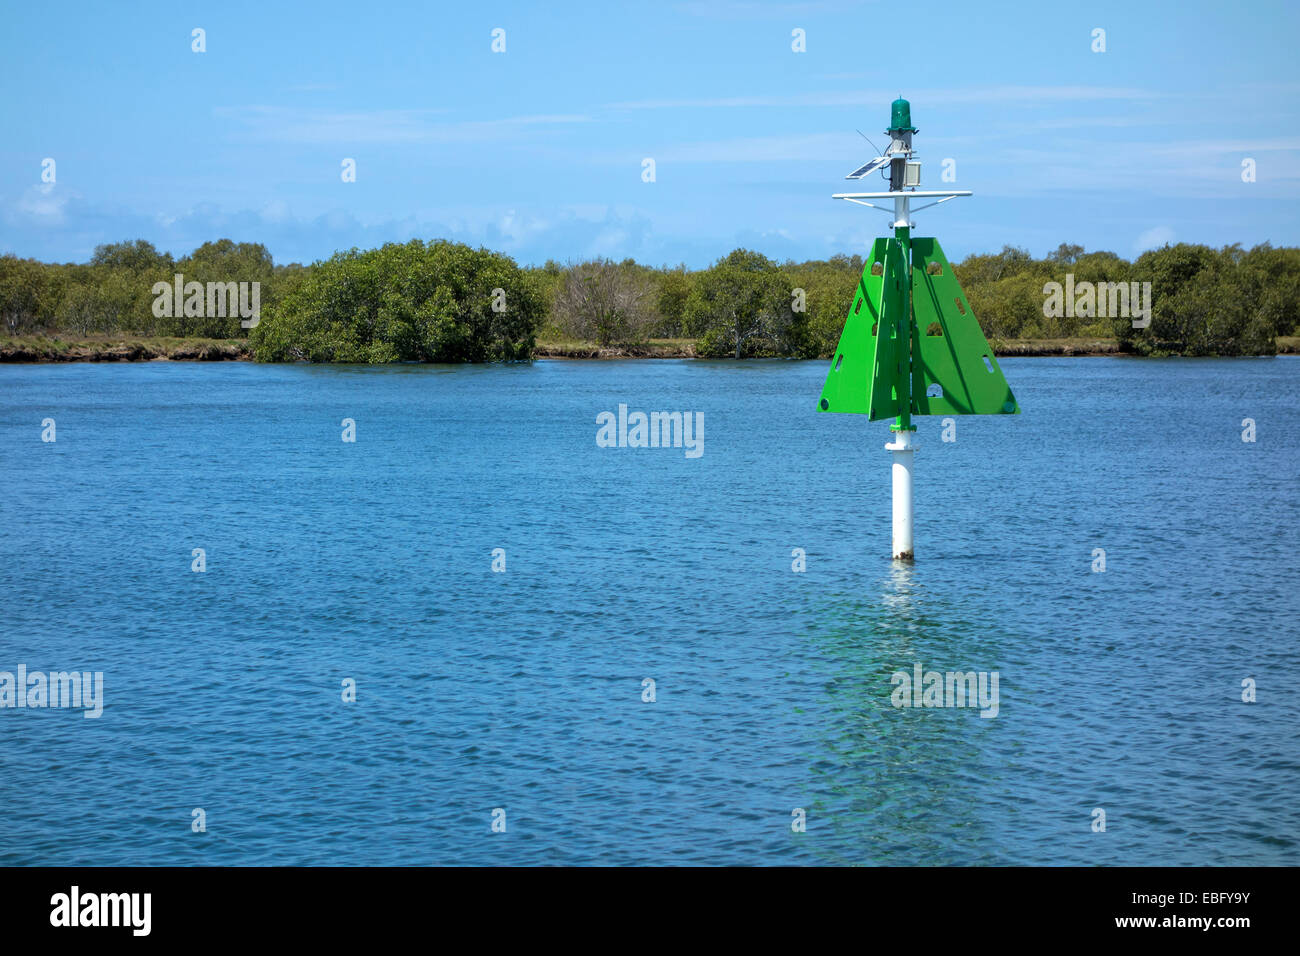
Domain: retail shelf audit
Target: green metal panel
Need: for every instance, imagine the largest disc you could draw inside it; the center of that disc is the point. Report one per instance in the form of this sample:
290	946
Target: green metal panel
949	347
869	361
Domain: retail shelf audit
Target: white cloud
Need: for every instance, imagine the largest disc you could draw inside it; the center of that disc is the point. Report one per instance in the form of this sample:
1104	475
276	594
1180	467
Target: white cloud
277	210
873	98
1153	238
808	147
377	126
43	203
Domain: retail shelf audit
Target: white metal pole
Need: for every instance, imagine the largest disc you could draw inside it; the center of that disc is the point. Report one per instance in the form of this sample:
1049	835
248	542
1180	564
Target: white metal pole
901	213
902	447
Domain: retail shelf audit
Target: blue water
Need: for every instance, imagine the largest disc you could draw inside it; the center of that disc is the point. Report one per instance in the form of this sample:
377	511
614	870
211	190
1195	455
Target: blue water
523	690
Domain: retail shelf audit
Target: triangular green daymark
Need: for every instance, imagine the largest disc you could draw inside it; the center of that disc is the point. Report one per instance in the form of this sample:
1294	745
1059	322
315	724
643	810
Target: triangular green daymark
951	357
868	361
950	349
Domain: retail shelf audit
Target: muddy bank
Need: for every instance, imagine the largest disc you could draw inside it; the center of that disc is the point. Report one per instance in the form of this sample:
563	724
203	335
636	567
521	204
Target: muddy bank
180	351
581	351
1048	347
198	350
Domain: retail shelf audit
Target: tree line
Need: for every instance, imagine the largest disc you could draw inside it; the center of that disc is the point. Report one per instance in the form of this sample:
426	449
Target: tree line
443	301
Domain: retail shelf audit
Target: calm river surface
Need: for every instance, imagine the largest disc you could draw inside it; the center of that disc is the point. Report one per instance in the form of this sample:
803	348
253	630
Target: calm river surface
371	561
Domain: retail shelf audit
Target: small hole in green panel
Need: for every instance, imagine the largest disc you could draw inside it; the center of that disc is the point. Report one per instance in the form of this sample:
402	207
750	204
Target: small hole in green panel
960	308
934	328
934	269
877	268
825	404
858	307
987	364
838	362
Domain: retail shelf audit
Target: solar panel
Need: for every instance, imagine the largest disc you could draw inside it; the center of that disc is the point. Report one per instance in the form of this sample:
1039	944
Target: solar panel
869	168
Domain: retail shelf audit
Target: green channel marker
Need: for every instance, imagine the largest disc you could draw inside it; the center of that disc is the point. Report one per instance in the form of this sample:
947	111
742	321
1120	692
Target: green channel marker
949	348
953	369
868	363
911	344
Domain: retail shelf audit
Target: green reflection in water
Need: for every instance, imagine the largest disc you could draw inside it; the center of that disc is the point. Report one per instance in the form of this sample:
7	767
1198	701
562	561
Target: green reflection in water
905	785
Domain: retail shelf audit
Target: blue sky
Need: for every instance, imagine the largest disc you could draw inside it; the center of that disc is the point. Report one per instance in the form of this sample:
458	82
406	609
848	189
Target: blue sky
538	151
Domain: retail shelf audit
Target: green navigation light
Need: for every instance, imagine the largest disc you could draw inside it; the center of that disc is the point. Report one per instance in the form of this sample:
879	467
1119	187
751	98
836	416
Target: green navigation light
900	117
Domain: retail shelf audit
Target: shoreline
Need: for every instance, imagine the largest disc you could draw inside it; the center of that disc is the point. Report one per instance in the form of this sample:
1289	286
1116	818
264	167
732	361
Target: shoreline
1010	349
42	351
38	350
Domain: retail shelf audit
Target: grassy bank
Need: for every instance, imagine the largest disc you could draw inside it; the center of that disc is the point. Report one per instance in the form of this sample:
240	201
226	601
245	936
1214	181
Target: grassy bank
654	348
126	348
686	348
120	348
